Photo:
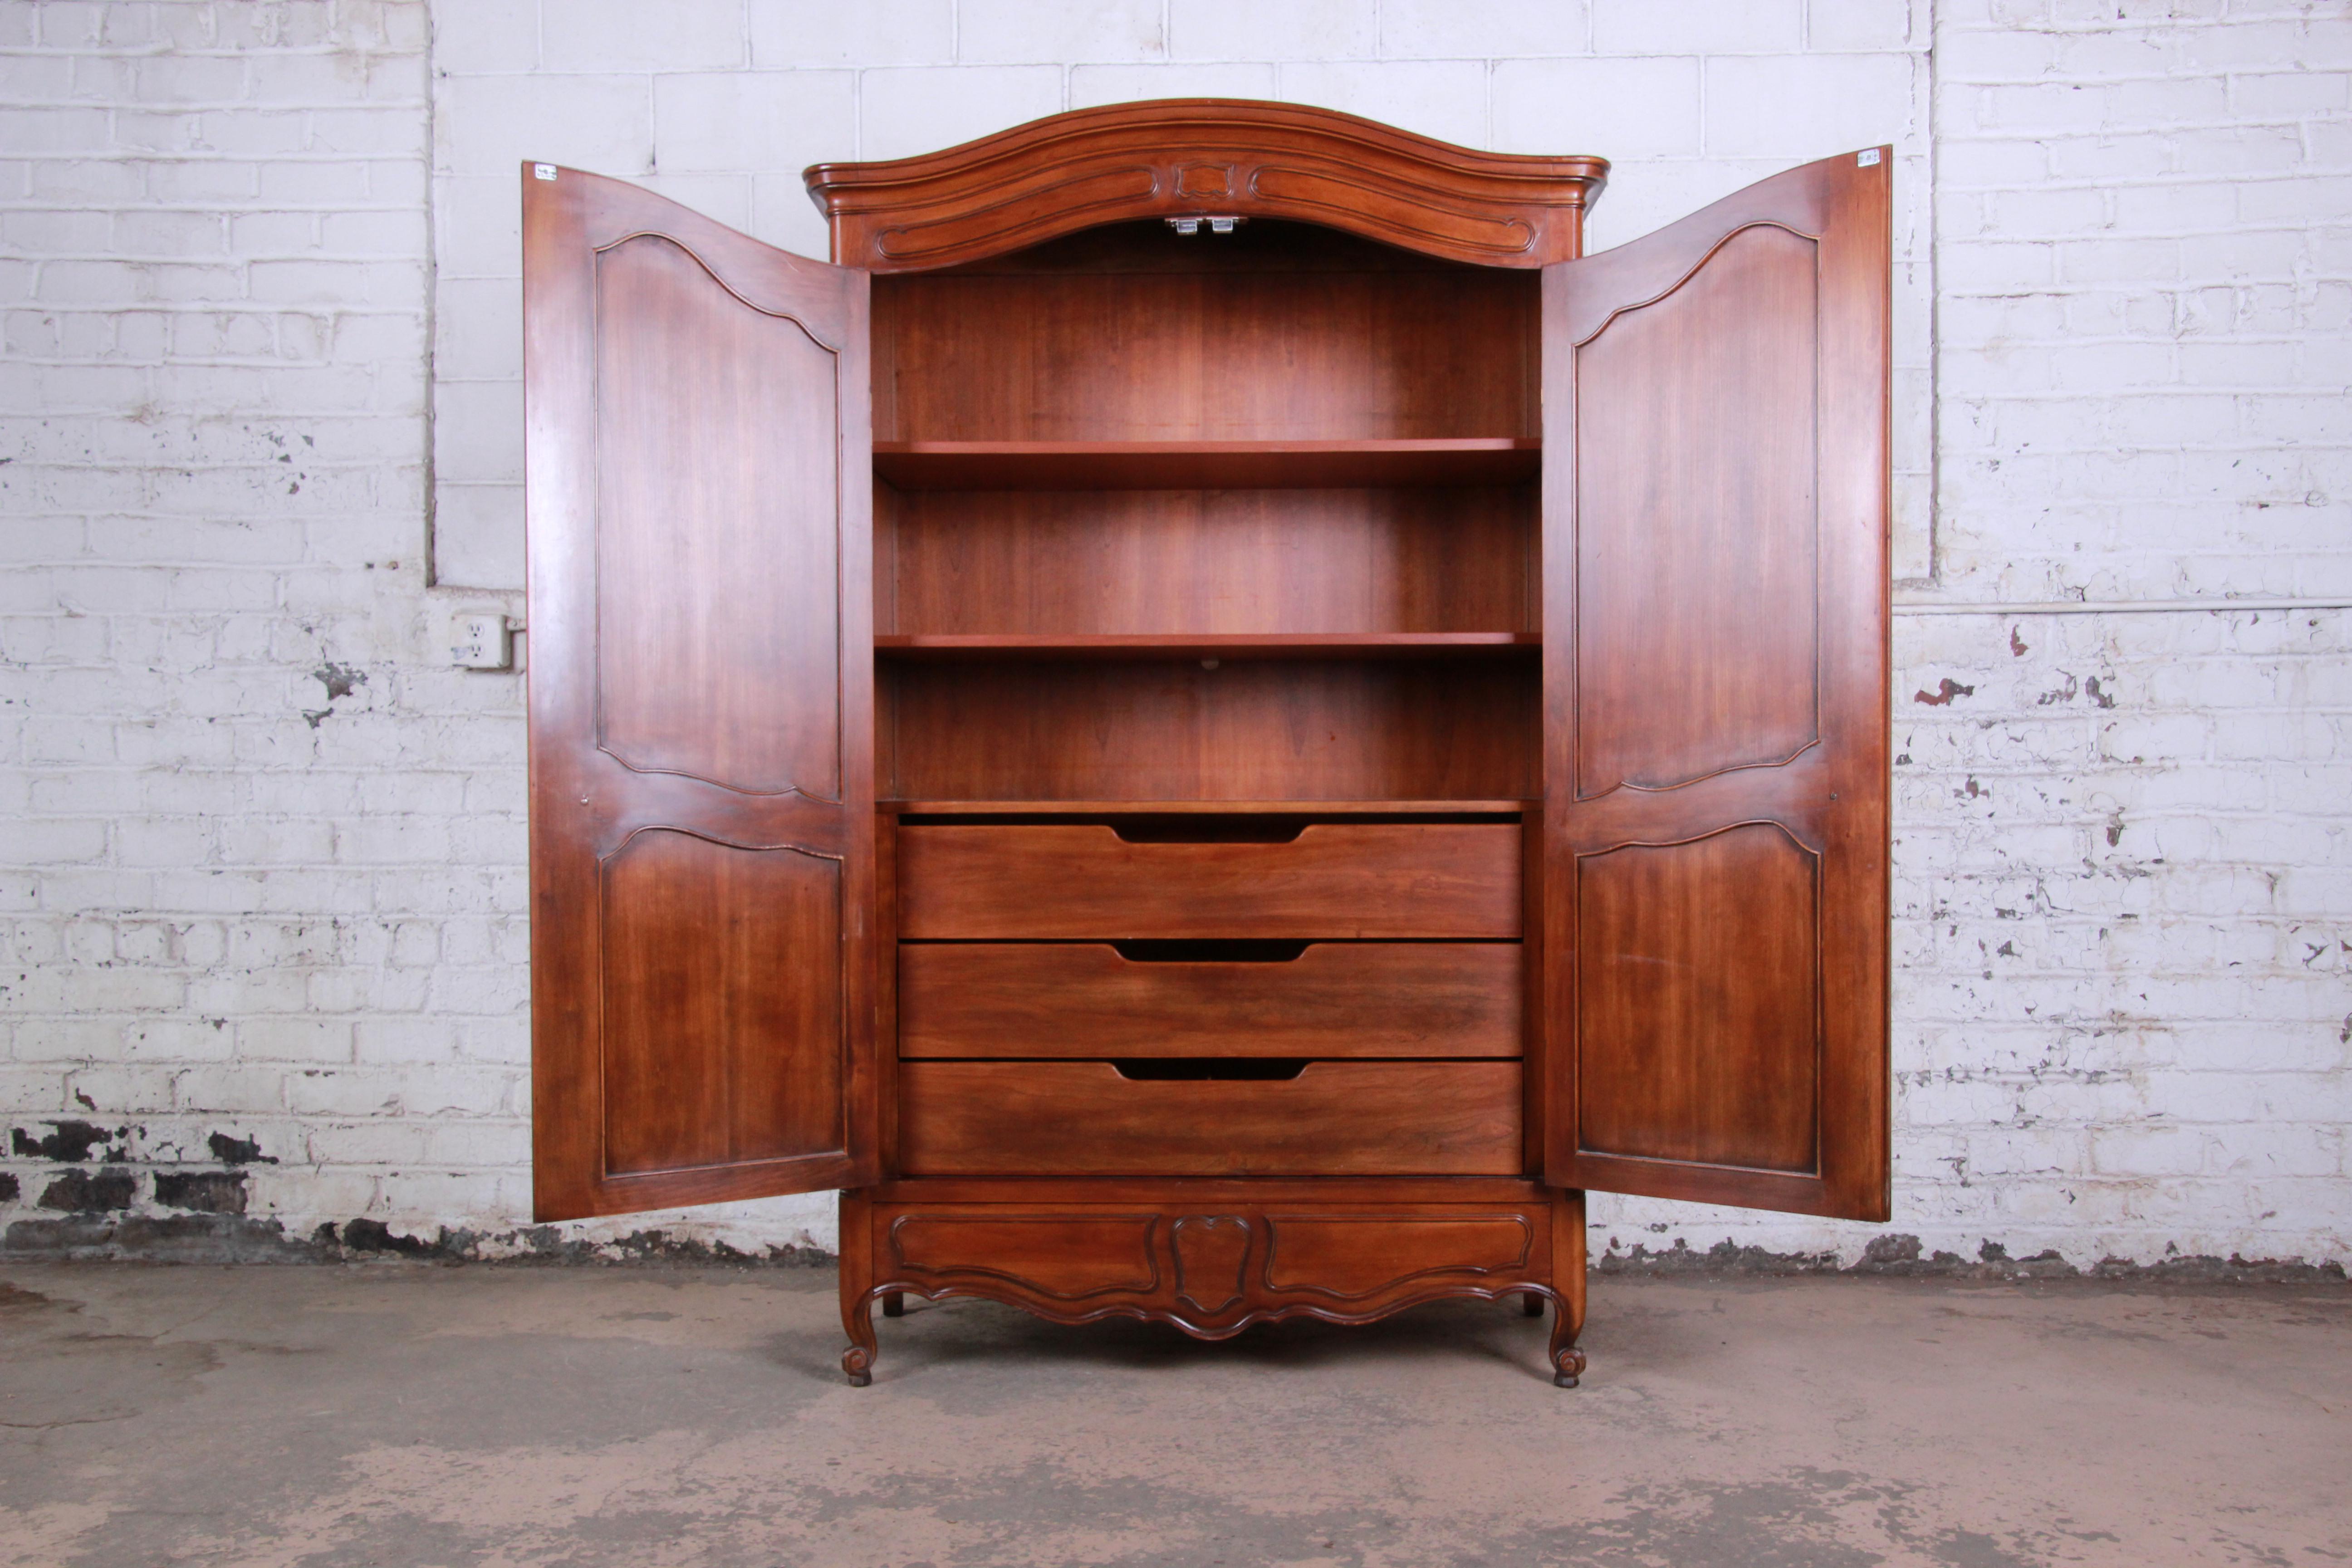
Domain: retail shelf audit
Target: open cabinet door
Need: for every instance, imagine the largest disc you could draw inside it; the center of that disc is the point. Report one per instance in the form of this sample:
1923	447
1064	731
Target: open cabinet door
1715	702
701	707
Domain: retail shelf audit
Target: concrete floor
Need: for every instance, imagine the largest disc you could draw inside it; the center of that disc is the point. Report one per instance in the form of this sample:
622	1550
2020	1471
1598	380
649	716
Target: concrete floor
419	1415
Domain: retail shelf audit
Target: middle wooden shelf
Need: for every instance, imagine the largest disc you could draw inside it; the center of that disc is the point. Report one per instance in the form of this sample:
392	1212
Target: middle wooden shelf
1206	465
1093	646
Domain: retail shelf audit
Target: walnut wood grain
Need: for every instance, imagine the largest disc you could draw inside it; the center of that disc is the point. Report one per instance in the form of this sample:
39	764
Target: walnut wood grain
1186	535
1214	1258
1179	156
1332	1254
1065	1258
701	793
1389	729
1694	949
1049	466
701	1068
1334	999
958	647
1332	881
1283	355
1143	809
1212	1261
1697	574
1716	722
707	526
1343	1117
1225	561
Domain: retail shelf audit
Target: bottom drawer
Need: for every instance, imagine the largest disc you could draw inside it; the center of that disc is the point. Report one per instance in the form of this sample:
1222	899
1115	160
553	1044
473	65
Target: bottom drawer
1086	1118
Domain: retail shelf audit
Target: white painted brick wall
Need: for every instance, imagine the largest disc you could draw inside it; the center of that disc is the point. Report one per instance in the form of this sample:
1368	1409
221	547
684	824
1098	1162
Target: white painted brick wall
234	904
1691	100
236	907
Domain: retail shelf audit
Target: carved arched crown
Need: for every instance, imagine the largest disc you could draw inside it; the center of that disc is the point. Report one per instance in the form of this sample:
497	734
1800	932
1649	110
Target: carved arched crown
1205	157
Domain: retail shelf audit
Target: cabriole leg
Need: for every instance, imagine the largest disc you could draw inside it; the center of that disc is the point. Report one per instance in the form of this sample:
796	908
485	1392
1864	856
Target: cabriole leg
857	1360
856	1278
1567	1280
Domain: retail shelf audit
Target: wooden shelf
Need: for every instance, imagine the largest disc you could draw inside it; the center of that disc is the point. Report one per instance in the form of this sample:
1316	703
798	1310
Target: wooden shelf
995	646
1203	807
1205	465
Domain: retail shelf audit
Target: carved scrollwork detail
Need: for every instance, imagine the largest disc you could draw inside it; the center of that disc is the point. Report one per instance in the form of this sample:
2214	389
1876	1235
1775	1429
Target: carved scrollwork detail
1134	161
1212	1251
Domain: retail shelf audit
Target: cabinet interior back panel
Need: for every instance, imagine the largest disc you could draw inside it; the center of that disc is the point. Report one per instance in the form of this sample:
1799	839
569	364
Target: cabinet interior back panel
1211	560
1369	729
1277	332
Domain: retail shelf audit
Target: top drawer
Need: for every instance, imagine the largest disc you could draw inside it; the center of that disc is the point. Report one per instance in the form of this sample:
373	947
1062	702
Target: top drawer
1334	882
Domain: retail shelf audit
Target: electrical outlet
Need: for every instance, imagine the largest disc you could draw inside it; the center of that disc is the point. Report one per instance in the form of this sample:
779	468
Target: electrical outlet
481	642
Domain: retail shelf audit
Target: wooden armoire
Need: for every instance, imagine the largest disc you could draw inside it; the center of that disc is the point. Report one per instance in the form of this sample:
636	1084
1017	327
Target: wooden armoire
1211	721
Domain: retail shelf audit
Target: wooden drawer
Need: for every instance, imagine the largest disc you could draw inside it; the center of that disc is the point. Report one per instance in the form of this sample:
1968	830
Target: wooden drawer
1364	880
1335	999
1335	1118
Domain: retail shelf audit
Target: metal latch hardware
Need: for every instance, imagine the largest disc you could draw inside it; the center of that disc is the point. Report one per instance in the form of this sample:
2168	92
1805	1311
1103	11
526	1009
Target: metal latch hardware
1220	225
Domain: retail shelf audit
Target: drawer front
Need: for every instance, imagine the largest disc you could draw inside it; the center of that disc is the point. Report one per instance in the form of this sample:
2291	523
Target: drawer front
1335	881
1336	999
1335	1118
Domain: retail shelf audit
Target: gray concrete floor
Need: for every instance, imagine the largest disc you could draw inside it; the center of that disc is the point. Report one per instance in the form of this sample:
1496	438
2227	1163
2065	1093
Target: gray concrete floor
418	1415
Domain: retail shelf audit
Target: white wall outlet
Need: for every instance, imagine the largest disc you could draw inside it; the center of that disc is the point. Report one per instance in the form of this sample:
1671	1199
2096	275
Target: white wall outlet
481	641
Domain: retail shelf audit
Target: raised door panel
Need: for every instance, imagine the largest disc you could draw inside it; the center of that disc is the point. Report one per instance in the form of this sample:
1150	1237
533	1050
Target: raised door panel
1714	863
1684	949
701	806
697	492
702	1069
1695	543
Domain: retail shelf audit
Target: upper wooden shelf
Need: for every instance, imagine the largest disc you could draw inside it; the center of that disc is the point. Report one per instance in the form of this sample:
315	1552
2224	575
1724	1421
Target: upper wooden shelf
1285	808
1205	465
960	645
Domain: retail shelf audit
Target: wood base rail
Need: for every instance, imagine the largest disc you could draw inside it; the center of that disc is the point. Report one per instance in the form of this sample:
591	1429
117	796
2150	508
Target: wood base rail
1213	1258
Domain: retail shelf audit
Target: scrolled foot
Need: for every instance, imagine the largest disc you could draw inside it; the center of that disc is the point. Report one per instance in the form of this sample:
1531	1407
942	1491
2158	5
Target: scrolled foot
1567	1367
857	1364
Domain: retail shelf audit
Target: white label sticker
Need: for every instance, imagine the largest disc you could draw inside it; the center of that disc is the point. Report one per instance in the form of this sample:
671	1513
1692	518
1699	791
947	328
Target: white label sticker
1861	161
547	171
